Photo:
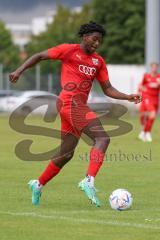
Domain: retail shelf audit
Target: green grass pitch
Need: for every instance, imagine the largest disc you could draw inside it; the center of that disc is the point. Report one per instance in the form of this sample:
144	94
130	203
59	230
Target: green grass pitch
65	212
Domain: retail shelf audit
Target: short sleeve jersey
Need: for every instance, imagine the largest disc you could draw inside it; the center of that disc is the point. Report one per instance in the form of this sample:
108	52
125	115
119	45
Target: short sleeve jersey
152	85
78	69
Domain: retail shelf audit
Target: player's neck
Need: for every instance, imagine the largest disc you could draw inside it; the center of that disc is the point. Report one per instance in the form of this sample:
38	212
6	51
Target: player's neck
154	74
83	48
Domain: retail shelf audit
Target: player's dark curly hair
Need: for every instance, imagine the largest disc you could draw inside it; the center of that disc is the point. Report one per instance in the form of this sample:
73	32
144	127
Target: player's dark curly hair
90	28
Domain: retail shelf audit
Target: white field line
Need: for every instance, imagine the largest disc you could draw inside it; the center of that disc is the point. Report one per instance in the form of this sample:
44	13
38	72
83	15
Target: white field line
81	220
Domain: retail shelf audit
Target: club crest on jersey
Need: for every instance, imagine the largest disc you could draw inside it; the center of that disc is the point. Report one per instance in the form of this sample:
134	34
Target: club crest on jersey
95	61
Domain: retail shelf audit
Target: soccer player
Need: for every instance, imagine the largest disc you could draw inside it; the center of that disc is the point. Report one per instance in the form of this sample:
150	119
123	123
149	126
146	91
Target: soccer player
149	88
80	66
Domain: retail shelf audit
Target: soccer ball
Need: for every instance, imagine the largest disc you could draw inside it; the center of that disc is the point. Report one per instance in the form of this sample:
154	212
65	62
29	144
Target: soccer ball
120	199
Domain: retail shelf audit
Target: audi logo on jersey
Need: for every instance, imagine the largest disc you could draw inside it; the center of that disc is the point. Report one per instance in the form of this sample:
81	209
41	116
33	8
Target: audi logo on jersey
87	70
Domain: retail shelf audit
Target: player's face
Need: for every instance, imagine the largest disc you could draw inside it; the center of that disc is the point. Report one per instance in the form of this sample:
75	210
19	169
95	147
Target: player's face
154	68
92	41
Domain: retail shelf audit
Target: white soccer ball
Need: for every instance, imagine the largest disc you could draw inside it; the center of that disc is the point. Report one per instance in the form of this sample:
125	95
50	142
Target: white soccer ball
120	199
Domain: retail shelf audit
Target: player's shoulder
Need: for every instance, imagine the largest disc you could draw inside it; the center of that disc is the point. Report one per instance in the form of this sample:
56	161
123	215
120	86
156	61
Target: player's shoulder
70	45
147	74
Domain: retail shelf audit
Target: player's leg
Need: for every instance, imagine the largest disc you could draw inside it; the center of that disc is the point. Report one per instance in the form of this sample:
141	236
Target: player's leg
152	110
148	126
96	132
143	118
101	140
86	121
63	155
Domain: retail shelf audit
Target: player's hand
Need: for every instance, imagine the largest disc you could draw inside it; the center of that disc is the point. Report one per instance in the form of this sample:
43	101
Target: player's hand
14	76
136	98
143	88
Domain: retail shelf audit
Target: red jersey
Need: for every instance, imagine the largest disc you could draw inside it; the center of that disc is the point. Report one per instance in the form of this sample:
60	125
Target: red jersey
151	86
78	70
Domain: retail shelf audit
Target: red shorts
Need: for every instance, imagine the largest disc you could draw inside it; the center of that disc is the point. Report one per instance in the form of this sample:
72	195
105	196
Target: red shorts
75	116
149	105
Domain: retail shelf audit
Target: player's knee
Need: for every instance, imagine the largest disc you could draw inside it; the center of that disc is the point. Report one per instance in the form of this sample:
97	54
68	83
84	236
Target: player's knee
61	159
106	141
103	142
69	155
152	114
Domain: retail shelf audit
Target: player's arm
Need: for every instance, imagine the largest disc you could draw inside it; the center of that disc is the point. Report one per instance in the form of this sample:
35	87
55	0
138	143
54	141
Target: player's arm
112	92
30	62
142	87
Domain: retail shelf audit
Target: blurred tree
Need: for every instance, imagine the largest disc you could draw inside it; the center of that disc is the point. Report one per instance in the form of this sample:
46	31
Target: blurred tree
124	21
63	29
9	53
